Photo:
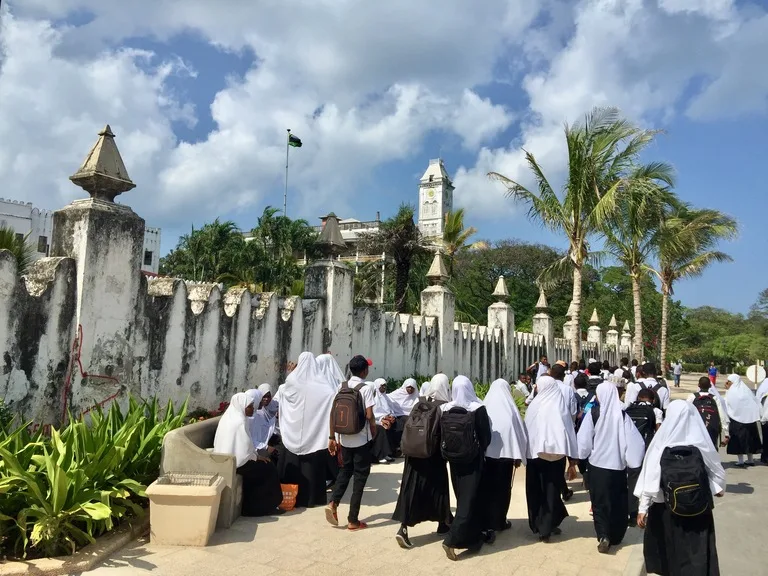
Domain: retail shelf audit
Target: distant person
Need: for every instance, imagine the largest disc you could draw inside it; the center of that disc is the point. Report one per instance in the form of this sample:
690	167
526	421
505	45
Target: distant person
541	367
624	364
574	368
744	414
605	371
712	372
762	399
523	385
680	534
677	372
387	439
633	369
713	413
582	366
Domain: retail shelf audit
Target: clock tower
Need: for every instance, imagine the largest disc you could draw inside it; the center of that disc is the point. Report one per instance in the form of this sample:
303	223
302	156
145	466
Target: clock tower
435	199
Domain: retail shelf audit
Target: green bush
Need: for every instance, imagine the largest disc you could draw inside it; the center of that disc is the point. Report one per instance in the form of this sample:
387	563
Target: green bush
690	367
6	416
62	491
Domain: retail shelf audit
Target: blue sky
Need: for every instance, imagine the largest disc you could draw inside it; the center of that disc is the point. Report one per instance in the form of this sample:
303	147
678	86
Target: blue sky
200	98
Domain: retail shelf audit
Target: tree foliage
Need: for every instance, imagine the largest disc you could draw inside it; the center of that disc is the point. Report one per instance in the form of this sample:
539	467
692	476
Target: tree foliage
22	251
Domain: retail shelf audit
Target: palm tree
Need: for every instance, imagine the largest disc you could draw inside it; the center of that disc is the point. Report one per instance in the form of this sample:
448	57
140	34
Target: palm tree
685	247
23	252
456	237
601	153
630	232
400	238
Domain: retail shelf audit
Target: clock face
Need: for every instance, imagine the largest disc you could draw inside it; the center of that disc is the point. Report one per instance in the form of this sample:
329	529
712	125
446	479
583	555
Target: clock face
431	193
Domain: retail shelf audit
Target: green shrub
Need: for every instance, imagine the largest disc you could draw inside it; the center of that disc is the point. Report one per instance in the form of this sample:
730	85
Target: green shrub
6	416
62	491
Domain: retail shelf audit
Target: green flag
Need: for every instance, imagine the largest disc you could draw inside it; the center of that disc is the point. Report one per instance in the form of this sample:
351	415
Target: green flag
294	141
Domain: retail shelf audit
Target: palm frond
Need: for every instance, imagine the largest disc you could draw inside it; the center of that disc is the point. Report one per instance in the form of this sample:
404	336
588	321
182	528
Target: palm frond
555	274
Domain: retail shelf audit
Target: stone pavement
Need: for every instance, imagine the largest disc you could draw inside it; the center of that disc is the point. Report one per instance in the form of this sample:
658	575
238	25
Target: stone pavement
302	543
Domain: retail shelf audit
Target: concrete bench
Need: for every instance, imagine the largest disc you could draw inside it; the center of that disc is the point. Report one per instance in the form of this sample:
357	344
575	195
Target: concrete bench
188	449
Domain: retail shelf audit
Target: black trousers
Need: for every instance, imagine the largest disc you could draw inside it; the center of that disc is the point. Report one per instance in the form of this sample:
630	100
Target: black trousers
356	463
634	504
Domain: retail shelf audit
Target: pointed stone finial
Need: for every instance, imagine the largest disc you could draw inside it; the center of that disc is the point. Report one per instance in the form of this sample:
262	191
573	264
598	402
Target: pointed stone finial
437	274
626	326
500	292
612	323
594	319
103	174
542	304
330	240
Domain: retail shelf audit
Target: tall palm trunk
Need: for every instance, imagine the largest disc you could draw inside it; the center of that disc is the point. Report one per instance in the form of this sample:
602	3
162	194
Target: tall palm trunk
665	288
637	346
576	319
402	271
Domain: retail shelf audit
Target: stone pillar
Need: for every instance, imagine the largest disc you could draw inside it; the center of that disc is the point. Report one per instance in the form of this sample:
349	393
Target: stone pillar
594	333
333	282
501	315
612	336
439	302
544	325
106	241
571	330
626	341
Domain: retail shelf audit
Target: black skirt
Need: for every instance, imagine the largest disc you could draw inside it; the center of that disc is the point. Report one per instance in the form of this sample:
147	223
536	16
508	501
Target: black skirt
497	492
261	488
424	492
543	492
676	546
380	447
466	528
764	457
309	472
744	438
610	509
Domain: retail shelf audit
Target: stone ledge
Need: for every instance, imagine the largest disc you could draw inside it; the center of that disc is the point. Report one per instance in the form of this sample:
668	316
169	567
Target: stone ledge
83	560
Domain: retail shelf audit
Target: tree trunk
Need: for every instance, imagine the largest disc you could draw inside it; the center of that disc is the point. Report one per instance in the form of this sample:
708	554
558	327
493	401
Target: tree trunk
664	320
402	271
637	346
576	319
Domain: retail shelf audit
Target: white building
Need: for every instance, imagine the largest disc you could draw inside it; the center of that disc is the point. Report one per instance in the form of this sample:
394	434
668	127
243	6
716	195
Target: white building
37	226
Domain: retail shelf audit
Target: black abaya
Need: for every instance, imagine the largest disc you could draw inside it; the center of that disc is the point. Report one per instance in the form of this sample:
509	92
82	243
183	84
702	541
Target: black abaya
610	507
676	546
261	488
764	456
634	503
309	472
543	492
744	438
496	488
380	447
424	492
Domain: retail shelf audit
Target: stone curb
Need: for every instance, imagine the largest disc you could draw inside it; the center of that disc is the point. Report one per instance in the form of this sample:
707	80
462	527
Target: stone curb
83	560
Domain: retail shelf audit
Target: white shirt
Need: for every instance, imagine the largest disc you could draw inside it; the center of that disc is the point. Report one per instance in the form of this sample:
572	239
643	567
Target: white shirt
369	401
724	420
634	371
568	380
543	369
677	369
633	389
570	398
522	388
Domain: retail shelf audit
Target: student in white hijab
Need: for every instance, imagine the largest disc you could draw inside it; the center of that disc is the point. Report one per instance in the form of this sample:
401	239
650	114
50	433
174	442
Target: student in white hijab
744	414
264	420
467	528
423	389
611	444
762	398
331	369
507	450
385	442
261	487
405	397
551	438
305	402
424	489
673	544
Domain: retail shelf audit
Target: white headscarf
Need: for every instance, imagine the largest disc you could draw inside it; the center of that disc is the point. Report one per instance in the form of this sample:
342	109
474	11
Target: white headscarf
462	396
741	402
614	442
331	369
439	388
403	401
263	422
424	388
384	406
232	435
549	423
682	426
306	399
509	439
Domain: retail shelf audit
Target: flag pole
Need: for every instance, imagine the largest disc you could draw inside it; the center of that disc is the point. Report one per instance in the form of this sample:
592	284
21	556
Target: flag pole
285	194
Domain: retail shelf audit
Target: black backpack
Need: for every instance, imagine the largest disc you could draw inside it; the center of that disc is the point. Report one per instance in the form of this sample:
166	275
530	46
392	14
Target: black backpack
644	419
458	438
583	402
684	481
421	434
348	410
655	389
707	407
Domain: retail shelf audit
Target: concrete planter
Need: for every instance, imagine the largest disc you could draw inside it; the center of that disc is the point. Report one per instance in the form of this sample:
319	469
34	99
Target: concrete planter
183	508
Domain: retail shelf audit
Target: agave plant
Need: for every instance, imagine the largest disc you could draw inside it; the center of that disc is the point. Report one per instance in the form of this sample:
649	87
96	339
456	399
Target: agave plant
22	250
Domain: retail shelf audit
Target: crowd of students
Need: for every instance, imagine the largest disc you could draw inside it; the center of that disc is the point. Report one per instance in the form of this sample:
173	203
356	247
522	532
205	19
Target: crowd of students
644	459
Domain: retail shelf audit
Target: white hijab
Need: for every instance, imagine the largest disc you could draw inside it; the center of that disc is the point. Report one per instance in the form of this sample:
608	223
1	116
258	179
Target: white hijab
331	369
741	402
306	399
614	442
462	396
682	426
232	435
509	439
263	422
439	388
384	406
424	388
762	390
549	423
403	401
